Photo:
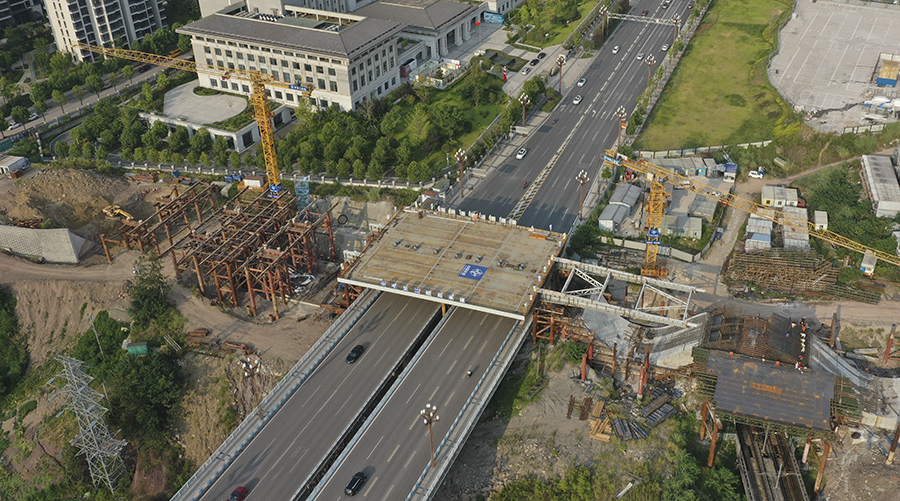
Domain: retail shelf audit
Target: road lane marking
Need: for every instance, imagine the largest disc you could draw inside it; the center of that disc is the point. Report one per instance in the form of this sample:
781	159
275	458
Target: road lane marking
373	448
411	456
445	347
414	423
432	394
452	366
387	495
449	398
413	393
467	343
396	449
369	488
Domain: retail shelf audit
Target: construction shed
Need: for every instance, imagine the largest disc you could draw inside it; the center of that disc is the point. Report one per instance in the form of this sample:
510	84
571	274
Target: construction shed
53	246
626	195
868	263
703	207
794	239
680	225
758	241
10	165
820	219
612	217
779	195
887	77
882	184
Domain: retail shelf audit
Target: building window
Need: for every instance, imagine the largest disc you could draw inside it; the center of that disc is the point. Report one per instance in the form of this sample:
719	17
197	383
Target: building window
234	86
370	76
241	67
307	67
276	51
218	51
209	61
253	47
290	97
245	88
219	63
362	80
266	49
333	86
323	103
355	86
231	66
286	76
313	58
296	65
309	80
240	55
251	57
322	84
224	84
320	70
278	94
206	49
289	54
284	63
332	72
273	62
214	83
393	80
228	53
377	71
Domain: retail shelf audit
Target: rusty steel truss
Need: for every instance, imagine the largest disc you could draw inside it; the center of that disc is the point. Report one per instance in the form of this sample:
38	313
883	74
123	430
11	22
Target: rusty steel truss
172	221
254	246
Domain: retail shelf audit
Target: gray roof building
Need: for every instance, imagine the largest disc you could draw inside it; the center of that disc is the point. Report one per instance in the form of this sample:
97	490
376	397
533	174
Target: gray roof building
612	217
53	246
680	225
883	187
703	207
627	195
431	15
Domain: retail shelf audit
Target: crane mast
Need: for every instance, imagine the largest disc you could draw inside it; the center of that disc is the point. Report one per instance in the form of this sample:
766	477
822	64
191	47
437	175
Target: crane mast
258	97
660	175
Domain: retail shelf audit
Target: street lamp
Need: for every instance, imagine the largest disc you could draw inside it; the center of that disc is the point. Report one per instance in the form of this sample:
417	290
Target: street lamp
251	370
622	116
560	61
676	20
461	158
429	417
582	179
525	100
650	61
603	12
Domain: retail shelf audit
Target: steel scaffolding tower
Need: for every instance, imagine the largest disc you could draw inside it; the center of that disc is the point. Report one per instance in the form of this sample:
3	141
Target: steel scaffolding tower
101	449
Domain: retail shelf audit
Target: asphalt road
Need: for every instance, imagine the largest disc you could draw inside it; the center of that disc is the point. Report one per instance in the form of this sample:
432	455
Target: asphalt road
292	444
395	448
613	80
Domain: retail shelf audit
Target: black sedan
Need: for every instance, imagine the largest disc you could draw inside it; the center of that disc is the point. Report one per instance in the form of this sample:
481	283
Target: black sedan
355	484
355	353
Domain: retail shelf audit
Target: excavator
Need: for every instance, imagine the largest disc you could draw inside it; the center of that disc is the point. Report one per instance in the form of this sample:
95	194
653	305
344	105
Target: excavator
116	211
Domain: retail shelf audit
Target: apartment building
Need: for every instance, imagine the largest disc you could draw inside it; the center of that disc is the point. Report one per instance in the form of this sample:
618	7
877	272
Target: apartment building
342	58
14	12
102	22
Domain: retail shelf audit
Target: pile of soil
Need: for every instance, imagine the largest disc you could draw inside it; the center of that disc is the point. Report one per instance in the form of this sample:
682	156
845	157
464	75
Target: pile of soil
69	198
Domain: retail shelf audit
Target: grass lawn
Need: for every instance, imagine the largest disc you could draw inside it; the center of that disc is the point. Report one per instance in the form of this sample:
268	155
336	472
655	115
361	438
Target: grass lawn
720	93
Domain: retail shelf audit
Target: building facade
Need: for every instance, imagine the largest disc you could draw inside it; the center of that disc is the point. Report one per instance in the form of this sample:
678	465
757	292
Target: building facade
13	12
102	22
343	59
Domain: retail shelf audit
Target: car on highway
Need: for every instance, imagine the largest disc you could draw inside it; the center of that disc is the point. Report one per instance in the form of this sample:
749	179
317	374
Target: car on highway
521	153
542	55
534	62
238	495
616	49
665	47
356	484
645	12
34	116
355	353
665	4
640	56
577	99
13	125
526	70
581	82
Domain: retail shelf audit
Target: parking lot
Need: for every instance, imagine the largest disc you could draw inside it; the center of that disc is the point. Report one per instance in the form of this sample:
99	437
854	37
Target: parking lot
828	55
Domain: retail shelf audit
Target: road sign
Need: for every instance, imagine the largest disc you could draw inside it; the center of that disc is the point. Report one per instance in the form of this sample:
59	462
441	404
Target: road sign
472	271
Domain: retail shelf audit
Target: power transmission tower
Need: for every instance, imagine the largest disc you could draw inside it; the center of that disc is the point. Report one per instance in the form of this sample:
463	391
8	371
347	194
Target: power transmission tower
101	449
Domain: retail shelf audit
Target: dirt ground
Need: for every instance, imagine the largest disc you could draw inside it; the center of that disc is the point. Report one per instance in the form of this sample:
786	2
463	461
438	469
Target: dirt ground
857	472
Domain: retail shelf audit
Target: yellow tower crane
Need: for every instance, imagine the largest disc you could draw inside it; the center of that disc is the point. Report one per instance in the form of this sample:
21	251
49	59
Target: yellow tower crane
661	175
258	97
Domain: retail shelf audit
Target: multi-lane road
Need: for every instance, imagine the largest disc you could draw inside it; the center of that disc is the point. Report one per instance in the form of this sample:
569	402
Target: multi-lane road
394	449
587	128
292	445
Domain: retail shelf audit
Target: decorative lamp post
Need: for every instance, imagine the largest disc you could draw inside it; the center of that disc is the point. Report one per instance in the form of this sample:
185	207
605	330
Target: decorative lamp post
429	417
525	101
676	20
251	371
622	116
603	19
649	61
461	159
582	179
560	61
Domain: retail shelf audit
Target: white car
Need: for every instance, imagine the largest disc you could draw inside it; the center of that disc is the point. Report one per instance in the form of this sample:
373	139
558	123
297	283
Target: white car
755	174
577	99
526	70
34	116
581	82
665	47
13	125
640	56
521	153
616	49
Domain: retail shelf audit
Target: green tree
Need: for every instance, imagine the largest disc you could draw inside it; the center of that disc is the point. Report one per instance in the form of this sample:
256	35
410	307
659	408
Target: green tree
114	80
376	170
150	139
149	291
94	84
145	394
204	159
180	139
87	150
59	97
184	43
13	358
128	72
41	107
3	126
61	63
39	92
61	149
127	154
192	158
162	81
177	158
447	118
19	114
201	141
234	160
359	169
79	92
220	147
419	125
102	152
129	138
389	121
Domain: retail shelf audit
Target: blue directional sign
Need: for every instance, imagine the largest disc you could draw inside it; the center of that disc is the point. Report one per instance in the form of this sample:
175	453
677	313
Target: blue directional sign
472	271
653	233
612	160
301	88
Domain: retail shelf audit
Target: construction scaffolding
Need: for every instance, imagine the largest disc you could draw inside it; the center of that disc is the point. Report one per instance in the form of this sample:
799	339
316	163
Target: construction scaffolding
791	272
255	244
187	207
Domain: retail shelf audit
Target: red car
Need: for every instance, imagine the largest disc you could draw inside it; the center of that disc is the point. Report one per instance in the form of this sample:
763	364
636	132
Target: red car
238	495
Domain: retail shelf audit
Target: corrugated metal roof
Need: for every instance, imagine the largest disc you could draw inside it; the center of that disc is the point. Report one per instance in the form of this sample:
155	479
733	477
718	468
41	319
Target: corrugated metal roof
780	394
54	246
612	216
883	184
703	207
626	194
435	15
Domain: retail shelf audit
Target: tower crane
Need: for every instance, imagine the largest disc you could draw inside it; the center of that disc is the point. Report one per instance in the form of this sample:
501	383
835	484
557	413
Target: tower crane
258	97
660	175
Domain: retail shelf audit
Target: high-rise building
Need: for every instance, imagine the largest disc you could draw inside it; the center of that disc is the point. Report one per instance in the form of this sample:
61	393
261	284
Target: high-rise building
102	22
14	12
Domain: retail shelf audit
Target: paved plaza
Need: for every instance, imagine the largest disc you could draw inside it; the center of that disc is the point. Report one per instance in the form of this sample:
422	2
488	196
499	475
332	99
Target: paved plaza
828	55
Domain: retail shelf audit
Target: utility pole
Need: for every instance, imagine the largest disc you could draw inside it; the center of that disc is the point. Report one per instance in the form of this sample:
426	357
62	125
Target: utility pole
622	116
582	179
251	371
461	157
429	417
649	61
525	101
676	20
